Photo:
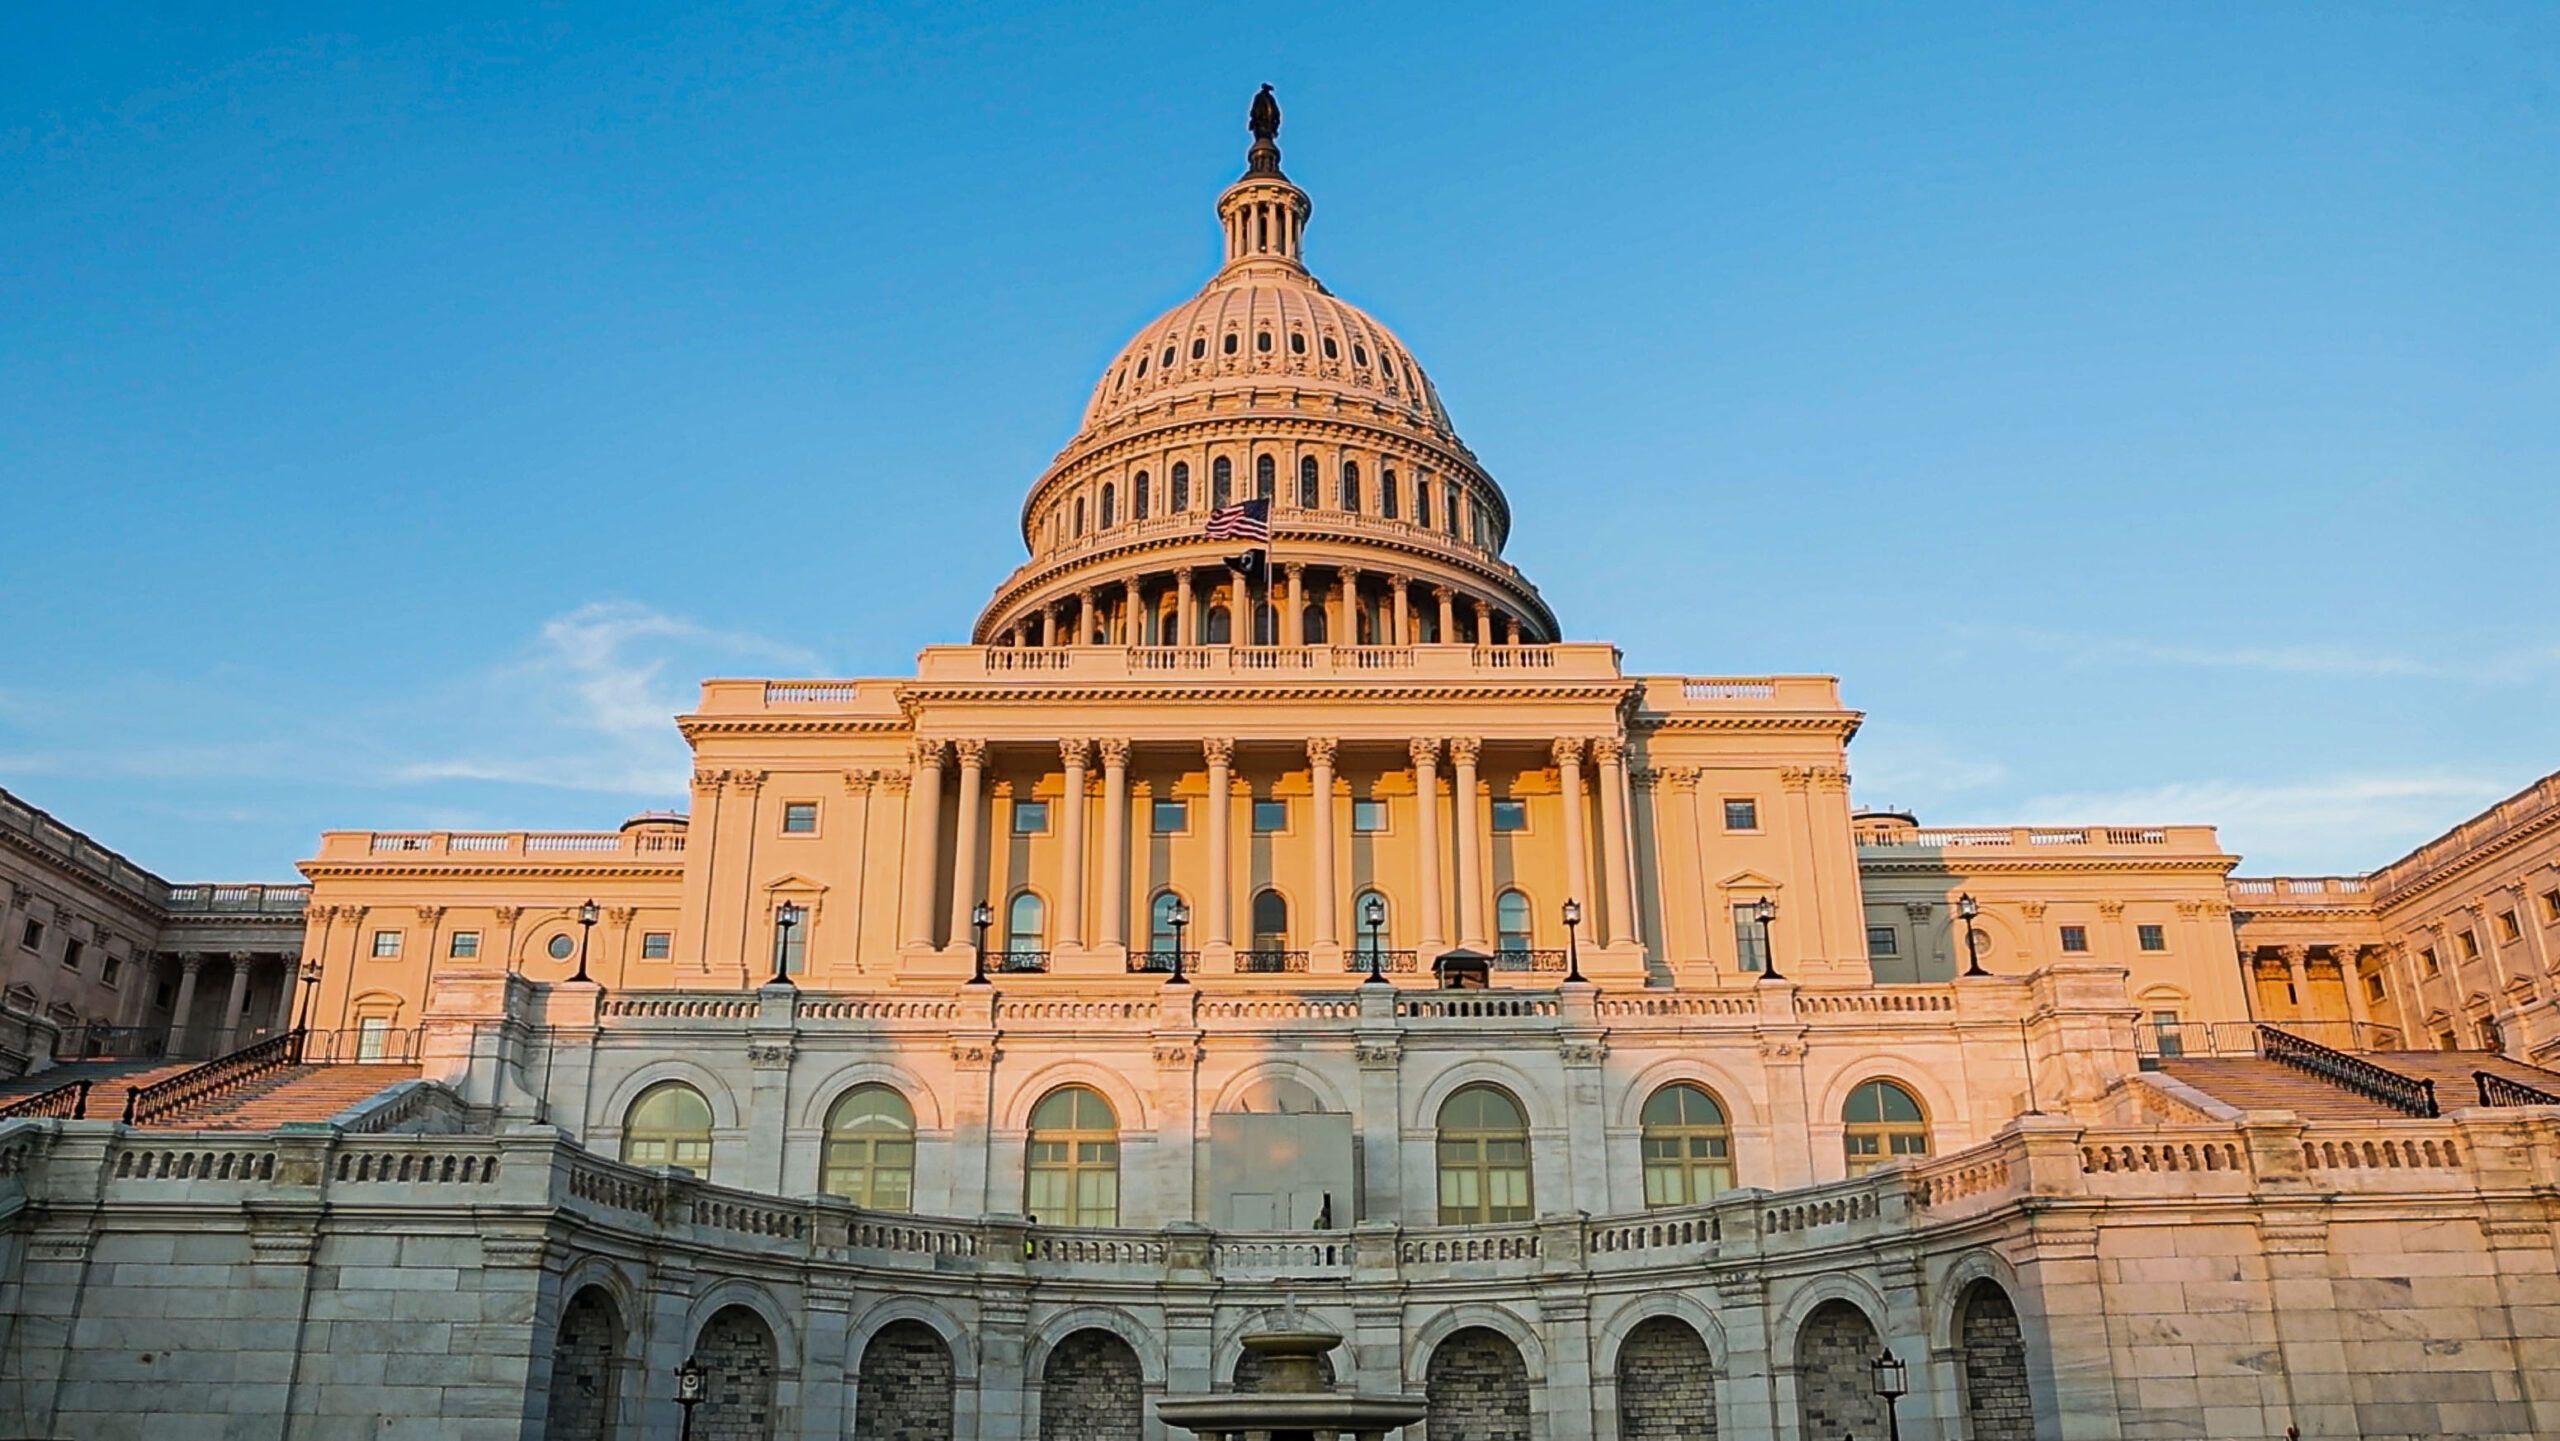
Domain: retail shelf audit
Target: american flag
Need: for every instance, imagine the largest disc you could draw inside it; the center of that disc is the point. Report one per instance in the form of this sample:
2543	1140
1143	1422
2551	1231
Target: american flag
1244	520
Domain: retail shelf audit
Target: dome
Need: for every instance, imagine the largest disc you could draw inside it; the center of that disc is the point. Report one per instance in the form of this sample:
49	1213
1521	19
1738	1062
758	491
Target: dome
1265	386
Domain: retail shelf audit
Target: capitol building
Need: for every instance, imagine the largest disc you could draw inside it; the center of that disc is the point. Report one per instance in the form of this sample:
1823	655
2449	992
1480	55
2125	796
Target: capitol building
1276	914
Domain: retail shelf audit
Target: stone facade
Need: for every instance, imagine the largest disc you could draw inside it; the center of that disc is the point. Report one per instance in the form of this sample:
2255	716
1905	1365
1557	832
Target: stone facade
905	1393
583	1363
1091	1390
1999	1405
1666	1384
737	1356
1478	1388
1835	1390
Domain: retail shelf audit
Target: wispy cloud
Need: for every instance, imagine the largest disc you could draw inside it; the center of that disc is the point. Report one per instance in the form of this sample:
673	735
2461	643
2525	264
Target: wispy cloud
2347	823
2331	661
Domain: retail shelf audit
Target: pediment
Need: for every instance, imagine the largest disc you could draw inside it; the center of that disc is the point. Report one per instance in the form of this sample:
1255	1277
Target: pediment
1747	880
795	884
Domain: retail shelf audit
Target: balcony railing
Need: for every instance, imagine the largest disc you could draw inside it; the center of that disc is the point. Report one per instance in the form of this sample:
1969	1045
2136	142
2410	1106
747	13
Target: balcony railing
1270	963
1388	961
255	900
1160	962
1018	963
2497	1090
1529	960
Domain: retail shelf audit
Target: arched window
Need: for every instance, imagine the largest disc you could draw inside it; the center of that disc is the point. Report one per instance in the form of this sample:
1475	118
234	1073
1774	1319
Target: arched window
1110	505
1449	511
1331	350
1511	927
1484	1158
1079	515
1688	1148
1309	483
1266	477
670	1125
1385	938
1199	347
871	1149
1312	626
1270	921
1881	1124
1073	1172
1026	924
1230	346
1297	342
1138	498
1162	938
1351	486
1167	362
1387	492
1422	504
1359	353
1262	341
1222	482
1181	499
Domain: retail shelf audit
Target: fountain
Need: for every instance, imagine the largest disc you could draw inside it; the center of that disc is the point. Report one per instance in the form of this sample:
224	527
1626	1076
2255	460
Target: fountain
1292	1402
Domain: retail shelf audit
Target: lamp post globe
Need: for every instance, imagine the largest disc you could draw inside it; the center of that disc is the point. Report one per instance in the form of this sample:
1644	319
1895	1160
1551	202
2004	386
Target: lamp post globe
786	916
981	918
1178	916
1573	941
1892	1384
1765	911
1373	918
588	914
1966	910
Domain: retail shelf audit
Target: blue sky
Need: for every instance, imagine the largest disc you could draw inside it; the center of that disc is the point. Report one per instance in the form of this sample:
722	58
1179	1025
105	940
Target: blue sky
2151	412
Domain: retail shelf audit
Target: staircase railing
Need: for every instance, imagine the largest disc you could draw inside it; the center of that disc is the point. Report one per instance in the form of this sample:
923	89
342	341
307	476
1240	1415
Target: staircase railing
218	1077
2412	1094
2498	1090
62	1103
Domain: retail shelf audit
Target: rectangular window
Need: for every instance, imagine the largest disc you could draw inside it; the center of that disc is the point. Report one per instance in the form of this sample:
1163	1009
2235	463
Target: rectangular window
1741	815
2151	938
466	944
2551	905
2469	944
373	1037
800	818
1172	818
1369	818
1031	818
2508	930
2167	1034
791	946
1510	818
110	968
2374	989
2075	939
2428	965
71	954
33	936
1750	942
657	945
1270	818
1883	941
386	944
2448	1041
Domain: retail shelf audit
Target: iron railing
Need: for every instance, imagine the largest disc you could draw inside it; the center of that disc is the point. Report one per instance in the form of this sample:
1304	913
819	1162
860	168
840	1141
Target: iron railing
62	1103
360	1046
2412	1094
2495	1090
1018	963
1527	960
1270	963
1161	962
215	1078
114	1043
1358	960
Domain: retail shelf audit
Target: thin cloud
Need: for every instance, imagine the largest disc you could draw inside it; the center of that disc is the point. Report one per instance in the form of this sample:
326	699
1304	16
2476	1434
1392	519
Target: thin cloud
2345	824
2339	662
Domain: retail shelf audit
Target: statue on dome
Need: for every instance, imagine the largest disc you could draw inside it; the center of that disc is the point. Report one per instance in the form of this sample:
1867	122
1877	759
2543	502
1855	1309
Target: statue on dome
1265	121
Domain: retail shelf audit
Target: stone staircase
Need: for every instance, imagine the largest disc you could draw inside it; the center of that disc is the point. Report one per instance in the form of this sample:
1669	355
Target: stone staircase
2451	1071
295	1093
108	1082
2254	1083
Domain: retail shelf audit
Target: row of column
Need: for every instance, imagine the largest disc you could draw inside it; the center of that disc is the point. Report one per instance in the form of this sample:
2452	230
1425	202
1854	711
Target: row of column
235	1006
1097	617
1613	922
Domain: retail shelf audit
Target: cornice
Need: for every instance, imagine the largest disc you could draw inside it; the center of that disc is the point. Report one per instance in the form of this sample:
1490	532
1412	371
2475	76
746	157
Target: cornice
1845	723
2387	893
768	723
617	869
1015	693
1976	865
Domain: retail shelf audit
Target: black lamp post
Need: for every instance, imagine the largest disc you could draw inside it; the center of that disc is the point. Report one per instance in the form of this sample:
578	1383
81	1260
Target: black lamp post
1573	942
310	1003
983	917
1373	916
1966	910
689	1392
1765	912
1179	916
785	917
587	915
1892	1385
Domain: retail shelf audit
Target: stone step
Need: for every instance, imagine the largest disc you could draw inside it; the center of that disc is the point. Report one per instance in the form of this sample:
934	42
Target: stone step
2254	1083
296	1093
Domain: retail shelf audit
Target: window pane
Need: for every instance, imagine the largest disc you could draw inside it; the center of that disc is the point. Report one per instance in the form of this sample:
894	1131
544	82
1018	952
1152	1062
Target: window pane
1369	817
1742	815
800	818
1270	817
1031	818
1883	941
1172	818
1510	816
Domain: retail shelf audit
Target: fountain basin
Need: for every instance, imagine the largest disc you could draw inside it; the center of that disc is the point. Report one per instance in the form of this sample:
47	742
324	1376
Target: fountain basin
1293	1403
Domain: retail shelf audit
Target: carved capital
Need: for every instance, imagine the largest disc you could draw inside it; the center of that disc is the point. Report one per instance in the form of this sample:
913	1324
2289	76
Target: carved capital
1919	910
930	751
1398	584
1425	751
859	783
1321	751
1567	750
1218	750
622	915
1075	753
896	783
1463	750
706	780
1796	778
190	962
1643	778
1115	752
1608	750
2111	910
2189	910
746	783
973	753
2033	910
429	915
508	915
1293	572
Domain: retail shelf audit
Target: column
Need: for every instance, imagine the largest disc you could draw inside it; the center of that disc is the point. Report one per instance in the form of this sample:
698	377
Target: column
291	986
1221	754
1184	632
1048	625
1115	844
1448	614
1074	754
2297	971
1403	634
1293	623
1425	751
1132	632
1084	617
235	1007
1567	751
1320	753
189	964
1346	606
924	845
2357	1012
1484	621
964	857
1467	831
1617	920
